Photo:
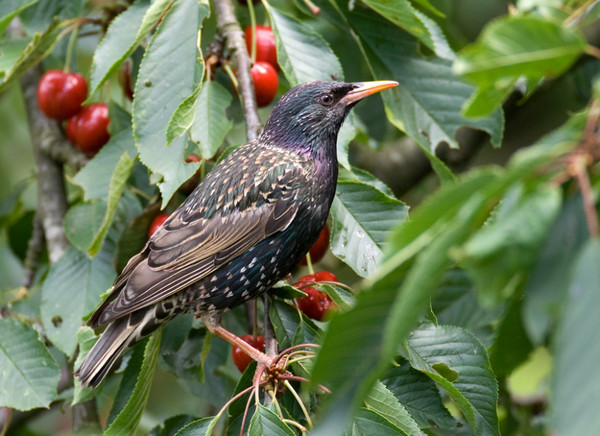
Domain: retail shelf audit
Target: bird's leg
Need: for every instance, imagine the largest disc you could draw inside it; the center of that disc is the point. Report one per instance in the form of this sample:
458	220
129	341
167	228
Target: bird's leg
213	324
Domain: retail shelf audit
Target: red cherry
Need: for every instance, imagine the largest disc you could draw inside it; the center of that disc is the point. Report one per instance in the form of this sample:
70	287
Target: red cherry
60	94
315	304
317	251
266	50
157	222
125	79
88	130
265	81
241	359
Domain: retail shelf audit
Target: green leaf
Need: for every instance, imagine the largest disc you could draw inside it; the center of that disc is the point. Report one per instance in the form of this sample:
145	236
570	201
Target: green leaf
40	46
28	373
576	374
200	427
516	46
125	32
298	46
9	10
498	256
171	425
419	394
426	104
70	291
474	388
211	124
548	282
130	414
86	340
96	175
362	217
511	345
82	222
115	190
383	402
266	423
395	297
368	423
403	14
183	117
166	77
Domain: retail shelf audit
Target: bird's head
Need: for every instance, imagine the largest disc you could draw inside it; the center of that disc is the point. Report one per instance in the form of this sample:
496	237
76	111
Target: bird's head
309	116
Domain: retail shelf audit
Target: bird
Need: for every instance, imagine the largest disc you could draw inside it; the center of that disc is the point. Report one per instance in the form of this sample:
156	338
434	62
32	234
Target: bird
245	227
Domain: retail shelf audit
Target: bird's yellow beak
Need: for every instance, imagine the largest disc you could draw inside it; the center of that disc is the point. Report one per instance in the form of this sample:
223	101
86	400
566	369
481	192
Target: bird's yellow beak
364	89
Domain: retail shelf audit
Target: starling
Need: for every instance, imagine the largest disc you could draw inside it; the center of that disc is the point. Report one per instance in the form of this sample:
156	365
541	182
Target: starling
245	227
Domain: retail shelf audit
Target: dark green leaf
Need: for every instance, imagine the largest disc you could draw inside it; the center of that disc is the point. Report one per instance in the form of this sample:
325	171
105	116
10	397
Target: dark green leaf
419	395
462	356
130	414
9	10
368	423
28	373
383	402
171	425
576	373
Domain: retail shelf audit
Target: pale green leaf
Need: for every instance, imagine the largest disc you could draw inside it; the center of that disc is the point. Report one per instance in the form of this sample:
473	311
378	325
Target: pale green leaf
513	47
576	373
29	374
71	290
211	124
362	216
302	53
166	77
116	187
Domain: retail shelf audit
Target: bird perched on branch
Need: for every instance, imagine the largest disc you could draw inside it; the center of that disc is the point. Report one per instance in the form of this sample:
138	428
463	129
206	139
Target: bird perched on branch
245	226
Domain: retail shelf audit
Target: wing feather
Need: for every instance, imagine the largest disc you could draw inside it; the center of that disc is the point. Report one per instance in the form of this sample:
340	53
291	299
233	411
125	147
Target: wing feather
179	255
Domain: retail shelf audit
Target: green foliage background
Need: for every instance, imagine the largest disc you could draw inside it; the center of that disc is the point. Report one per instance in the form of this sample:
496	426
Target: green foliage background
474	292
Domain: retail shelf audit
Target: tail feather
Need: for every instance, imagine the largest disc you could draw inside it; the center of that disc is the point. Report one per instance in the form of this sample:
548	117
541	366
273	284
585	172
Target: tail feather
119	336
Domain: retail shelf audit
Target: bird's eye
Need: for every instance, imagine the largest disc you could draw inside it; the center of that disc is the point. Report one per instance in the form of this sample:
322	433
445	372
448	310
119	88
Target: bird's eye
326	99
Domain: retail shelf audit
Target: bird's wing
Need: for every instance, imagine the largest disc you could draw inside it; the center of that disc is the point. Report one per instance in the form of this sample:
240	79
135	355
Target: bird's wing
187	250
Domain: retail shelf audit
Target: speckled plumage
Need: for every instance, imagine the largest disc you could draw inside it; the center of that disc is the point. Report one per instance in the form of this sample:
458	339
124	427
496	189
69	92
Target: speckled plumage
244	227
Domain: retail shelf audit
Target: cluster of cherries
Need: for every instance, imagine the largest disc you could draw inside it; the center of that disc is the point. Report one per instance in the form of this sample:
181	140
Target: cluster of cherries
60	96
264	70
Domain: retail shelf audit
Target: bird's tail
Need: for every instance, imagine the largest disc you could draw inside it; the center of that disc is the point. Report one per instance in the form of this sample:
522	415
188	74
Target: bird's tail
119	336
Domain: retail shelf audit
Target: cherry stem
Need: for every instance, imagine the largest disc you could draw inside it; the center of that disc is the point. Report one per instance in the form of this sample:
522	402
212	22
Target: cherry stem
253	30
299	400
70	47
309	264
234	340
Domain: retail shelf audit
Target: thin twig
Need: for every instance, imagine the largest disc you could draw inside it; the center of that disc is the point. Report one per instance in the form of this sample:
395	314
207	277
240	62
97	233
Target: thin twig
230	29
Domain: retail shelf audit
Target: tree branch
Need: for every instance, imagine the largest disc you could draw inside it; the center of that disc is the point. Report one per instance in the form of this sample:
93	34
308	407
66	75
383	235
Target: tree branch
231	31
52	200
